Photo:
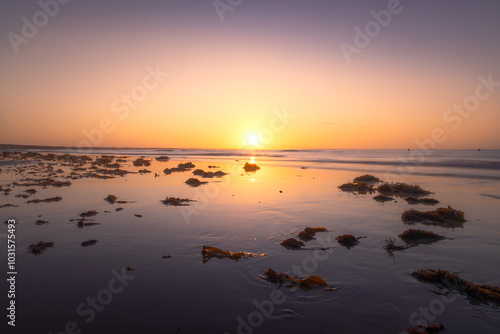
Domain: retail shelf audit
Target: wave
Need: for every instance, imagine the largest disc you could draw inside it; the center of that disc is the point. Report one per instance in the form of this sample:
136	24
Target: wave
495	165
393	159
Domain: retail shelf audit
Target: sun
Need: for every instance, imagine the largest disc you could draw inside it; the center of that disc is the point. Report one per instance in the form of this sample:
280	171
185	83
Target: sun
253	140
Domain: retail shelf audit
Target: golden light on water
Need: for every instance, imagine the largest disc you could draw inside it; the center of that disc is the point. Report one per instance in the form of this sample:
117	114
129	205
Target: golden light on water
252	160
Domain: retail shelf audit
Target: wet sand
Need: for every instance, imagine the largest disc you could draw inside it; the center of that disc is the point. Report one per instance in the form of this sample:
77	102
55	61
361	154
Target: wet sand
171	287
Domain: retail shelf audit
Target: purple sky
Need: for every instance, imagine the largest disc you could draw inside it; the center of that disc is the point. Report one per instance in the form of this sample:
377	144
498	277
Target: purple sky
263	55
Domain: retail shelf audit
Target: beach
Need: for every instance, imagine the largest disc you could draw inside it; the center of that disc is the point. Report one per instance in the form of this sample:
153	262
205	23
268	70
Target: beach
169	286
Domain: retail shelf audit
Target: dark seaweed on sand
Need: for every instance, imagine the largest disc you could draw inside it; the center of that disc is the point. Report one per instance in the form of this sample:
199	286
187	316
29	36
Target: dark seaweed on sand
309	233
305	283
425	201
391	246
292	244
88	213
40	247
175	201
401	189
89	243
81	223
186	165
444	217
250	167
306	235
383	198
422	329
367	178
348	240
477	292
180	168
47	200
194	182
111	199
202	173
209	252
8	205
139	162
412	236
359	187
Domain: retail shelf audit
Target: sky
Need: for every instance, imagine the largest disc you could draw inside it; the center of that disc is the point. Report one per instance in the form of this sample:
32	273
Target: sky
293	74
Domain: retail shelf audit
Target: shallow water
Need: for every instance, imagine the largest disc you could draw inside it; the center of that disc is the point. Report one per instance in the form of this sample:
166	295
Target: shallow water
246	212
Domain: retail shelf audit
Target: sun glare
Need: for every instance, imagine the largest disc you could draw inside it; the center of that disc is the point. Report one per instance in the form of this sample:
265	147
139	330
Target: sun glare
253	140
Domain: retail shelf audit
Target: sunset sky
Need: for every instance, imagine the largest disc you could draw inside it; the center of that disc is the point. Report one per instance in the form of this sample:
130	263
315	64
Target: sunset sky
229	79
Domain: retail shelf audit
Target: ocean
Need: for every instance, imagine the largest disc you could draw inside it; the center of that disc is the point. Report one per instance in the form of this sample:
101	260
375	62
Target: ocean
394	163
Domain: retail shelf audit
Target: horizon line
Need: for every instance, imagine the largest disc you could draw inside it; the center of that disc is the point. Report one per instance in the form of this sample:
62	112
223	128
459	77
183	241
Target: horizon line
13	146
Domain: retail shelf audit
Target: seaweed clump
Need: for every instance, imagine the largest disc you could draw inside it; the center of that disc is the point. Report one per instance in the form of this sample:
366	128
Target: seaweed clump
187	165
88	213
309	232
81	223
367	178
359	187
41	222
111	199
383	198
305	284
8	205
445	217
292	244
202	173
194	182
348	240
401	189
162	158
139	162
480	292
391	246
180	168
250	167
425	201
210	252
175	201
422	329
89	243
40	247
412	236
47	200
